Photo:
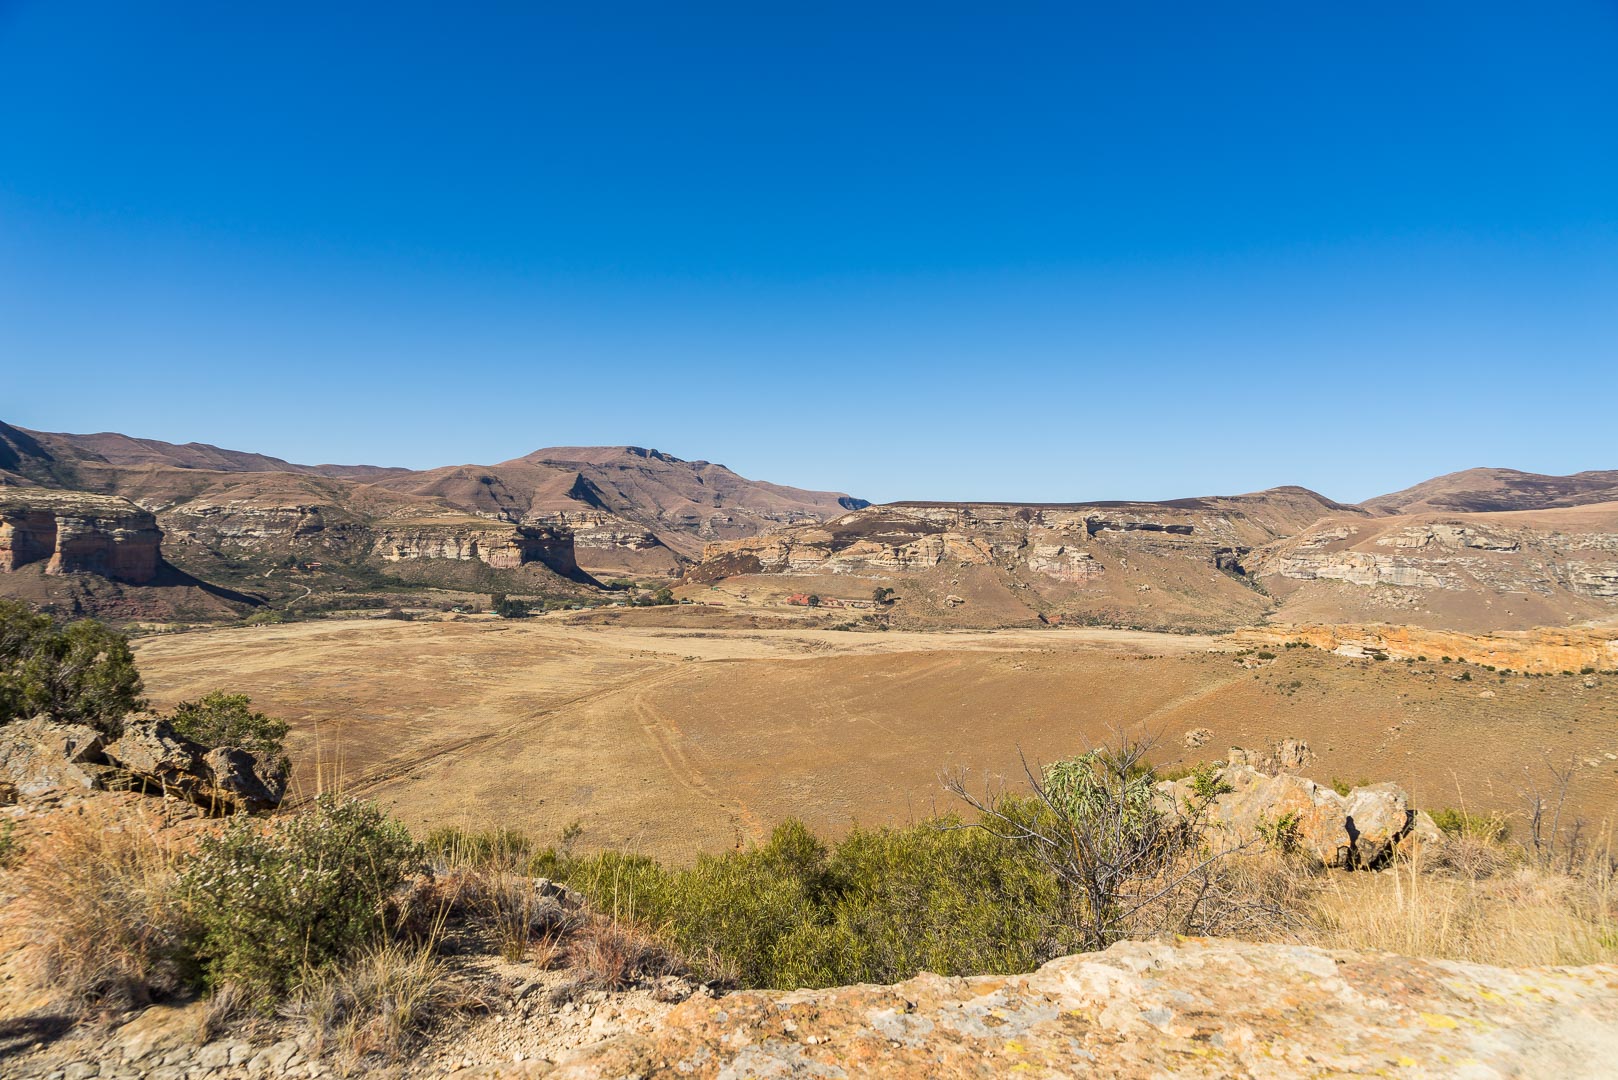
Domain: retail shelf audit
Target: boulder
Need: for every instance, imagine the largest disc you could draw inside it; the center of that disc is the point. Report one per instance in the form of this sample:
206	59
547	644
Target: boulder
39	755
1353	832
1285	755
238	781
222	781
1379	816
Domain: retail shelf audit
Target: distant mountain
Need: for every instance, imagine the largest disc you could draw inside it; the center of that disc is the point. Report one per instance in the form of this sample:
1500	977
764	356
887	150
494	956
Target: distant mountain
1495	490
626	509
115	449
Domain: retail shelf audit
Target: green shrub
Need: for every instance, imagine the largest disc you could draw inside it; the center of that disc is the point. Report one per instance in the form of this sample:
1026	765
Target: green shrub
1343	786
1282	834
9	848
1266	655
274	904
83	673
879	906
1476	826
220	719
264	617
507	608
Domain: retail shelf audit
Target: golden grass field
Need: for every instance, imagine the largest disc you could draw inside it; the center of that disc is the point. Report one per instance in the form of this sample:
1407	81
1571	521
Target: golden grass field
697	736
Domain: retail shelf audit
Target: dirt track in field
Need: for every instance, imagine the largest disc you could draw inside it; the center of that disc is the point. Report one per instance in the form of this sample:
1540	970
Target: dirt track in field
675	740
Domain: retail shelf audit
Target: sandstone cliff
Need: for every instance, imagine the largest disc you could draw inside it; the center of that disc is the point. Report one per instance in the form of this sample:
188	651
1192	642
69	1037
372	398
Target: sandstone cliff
1161	564
76	532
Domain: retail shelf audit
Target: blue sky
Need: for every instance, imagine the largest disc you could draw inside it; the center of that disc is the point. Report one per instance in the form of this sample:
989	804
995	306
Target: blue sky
1047	253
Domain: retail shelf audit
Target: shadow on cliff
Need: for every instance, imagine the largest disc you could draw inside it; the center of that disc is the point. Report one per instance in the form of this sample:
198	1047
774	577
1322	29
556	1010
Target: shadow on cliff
170	576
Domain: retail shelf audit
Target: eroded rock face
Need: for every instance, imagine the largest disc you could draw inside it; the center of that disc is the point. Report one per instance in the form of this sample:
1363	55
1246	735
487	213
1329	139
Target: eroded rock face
497	544
1057	542
77	532
1196	1008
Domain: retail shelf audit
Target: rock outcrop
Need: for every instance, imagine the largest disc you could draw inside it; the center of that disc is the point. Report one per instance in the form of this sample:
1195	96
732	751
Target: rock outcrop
1465	572
223	780
73	532
1360	830
1195	1008
496	544
1174	564
39	756
1540	651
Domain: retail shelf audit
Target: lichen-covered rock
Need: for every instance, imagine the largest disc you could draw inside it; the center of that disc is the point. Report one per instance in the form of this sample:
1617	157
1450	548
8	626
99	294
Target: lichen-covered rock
40	755
239	781
1143	1009
1379	816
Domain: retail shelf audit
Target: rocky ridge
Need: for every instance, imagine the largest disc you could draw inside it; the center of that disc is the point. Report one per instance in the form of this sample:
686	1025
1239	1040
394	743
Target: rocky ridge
1192	1008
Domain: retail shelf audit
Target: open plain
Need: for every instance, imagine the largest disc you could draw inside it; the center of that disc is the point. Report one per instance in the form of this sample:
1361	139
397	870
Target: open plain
685	730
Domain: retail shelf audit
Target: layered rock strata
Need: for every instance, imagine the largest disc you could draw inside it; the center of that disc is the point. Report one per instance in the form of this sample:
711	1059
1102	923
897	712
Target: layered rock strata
77	532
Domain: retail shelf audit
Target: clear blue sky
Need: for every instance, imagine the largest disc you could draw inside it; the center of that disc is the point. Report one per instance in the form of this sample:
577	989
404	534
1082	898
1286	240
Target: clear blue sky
909	252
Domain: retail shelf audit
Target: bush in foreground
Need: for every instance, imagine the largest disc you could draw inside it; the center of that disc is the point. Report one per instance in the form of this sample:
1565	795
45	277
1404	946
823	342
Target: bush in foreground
272	904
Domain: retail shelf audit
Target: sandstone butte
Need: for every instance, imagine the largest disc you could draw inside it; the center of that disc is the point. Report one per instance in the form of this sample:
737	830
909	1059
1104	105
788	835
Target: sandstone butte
1194	1008
1547	650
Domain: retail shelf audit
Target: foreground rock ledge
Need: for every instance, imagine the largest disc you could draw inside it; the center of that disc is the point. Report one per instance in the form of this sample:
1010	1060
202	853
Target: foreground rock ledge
1199	1008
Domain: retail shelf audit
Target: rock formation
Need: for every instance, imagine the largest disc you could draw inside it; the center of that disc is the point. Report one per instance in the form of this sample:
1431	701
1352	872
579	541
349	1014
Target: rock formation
74	532
41	755
1194	1008
1468	572
1359	830
1541	651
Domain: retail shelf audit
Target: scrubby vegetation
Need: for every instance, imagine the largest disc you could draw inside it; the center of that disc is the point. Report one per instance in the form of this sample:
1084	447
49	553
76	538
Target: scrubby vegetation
80	673
272	905
221	719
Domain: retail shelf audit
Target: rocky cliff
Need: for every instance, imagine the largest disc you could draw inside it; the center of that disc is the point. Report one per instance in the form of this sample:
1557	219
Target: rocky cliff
1193	1008
73	532
1165	564
1469	572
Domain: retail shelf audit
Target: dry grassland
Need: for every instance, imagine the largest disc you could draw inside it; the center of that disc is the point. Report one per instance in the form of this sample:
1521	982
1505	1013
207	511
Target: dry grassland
674	740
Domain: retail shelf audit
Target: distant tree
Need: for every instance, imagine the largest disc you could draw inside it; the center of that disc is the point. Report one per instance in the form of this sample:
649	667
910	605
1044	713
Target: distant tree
82	673
882	595
507	608
663	597
814	600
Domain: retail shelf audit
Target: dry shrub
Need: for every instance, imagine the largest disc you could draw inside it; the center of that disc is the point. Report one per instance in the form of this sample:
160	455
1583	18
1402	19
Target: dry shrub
520	915
1257	895
375	1008
610	954
99	904
1524	915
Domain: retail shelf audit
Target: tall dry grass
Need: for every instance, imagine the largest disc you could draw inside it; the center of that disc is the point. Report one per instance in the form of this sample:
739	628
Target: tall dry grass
100	902
378	1006
1500	908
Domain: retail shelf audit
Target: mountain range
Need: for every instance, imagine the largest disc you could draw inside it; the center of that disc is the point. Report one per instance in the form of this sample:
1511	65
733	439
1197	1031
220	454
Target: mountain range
138	528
